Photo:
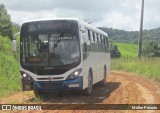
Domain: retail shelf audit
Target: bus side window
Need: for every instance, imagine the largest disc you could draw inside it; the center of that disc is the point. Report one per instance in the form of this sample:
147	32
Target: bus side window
85	48
93	37
94	45
104	40
97	38
91	43
102	45
107	45
101	39
98	43
89	35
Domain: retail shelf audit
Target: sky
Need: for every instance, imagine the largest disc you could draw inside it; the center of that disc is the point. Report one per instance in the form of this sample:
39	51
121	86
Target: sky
117	14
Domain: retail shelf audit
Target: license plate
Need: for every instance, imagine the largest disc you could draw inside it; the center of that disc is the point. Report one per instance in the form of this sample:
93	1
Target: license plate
73	85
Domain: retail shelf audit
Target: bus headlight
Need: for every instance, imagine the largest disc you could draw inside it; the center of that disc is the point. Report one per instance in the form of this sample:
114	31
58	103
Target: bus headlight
25	76
75	74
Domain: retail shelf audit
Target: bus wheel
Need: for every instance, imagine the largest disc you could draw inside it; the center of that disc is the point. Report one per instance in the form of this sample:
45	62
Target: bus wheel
89	90
105	76
103	82
38	94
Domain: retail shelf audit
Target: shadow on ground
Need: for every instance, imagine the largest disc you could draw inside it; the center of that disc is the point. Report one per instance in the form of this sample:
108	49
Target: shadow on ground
99	94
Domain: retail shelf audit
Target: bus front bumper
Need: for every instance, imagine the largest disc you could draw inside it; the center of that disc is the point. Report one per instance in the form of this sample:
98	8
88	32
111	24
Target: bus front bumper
76	84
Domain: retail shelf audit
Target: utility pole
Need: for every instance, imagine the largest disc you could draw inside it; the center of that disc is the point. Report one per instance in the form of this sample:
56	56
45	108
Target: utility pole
140	32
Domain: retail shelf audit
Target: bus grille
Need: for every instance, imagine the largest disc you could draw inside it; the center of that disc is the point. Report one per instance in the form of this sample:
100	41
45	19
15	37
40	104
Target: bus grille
53	85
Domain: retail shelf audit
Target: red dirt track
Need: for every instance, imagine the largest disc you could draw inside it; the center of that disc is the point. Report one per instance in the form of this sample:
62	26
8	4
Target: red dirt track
121	88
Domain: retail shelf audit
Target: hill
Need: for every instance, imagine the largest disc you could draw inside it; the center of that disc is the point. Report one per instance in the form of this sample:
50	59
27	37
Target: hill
131	36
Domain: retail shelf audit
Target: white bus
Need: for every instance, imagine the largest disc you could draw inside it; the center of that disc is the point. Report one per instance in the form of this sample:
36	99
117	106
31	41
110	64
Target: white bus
62	54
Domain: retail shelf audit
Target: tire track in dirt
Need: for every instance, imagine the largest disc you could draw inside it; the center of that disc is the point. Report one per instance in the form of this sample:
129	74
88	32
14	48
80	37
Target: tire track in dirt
121	88
149	91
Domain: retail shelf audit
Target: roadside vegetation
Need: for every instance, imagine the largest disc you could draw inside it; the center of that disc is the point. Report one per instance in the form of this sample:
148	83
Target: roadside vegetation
148	67
9	60
9	68
129	50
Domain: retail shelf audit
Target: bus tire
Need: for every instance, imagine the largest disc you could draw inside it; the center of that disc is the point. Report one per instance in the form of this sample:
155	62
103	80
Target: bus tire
103	82
105	76
38	94
89	90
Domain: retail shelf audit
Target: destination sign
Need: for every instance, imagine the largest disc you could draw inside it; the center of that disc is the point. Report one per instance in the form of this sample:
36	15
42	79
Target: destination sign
48	26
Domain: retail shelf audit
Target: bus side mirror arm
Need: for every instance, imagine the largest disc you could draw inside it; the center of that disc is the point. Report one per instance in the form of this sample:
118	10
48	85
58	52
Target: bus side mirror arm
82	29
14	42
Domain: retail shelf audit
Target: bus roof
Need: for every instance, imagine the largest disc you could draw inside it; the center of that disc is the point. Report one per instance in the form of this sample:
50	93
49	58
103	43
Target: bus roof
90	27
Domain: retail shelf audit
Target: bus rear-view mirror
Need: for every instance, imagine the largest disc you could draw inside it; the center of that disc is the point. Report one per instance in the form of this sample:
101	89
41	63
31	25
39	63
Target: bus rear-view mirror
14	43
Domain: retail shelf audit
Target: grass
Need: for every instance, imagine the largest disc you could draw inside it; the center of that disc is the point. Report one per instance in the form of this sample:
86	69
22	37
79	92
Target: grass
146	67
127	49
9	68
38	100
149	68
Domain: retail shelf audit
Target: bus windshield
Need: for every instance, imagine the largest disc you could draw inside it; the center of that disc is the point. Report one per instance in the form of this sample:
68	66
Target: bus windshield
50	44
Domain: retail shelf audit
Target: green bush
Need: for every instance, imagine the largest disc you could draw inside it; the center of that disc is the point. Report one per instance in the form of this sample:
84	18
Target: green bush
9	68
151	49
115	53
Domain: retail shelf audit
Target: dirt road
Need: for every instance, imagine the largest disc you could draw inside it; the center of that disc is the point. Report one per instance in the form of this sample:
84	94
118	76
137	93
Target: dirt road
121	88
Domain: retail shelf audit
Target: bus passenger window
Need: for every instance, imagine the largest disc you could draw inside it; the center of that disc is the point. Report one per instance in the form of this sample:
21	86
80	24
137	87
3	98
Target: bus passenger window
84	47
106	44
93	37
101	39
89	35
97	38
104	40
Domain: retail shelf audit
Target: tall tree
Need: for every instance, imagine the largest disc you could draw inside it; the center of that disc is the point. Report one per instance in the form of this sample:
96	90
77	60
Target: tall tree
5	22
15	28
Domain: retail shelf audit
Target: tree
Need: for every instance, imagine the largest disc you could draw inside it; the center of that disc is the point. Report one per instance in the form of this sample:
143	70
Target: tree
15	28
151	49
5	22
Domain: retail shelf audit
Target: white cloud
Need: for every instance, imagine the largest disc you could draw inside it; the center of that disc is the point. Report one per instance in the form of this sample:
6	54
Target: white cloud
120	14
21	16
119	21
